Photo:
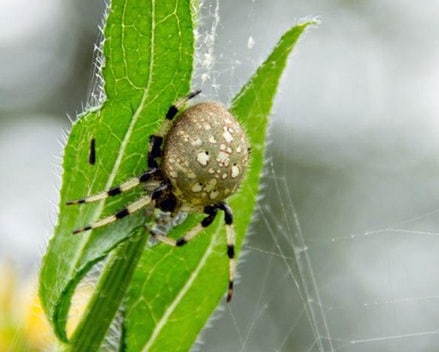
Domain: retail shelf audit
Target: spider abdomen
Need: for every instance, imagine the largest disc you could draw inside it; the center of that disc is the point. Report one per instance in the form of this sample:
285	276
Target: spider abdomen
205	155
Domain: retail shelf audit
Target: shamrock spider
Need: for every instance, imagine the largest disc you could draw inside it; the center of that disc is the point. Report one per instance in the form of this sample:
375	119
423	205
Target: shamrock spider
194	162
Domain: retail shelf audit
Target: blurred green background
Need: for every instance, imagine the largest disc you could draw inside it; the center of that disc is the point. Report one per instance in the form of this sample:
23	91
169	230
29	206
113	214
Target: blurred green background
342	255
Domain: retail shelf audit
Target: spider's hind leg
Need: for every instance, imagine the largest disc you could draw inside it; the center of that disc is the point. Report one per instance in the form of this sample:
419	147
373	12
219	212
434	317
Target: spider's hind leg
211	211
228	219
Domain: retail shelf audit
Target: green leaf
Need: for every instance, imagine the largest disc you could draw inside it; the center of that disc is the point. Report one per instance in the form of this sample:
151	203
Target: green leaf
175	290
148	53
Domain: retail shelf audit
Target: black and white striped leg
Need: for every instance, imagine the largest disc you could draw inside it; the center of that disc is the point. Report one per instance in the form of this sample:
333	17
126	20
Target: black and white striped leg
155	150
156	196
155	141
145	177
228	219
211	211
130	209
92	152
173	109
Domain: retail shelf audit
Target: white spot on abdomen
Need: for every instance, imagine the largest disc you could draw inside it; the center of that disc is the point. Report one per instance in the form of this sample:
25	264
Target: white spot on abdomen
235	171
203	158
227	135
213	194
223	159
197	142
210	185
197	187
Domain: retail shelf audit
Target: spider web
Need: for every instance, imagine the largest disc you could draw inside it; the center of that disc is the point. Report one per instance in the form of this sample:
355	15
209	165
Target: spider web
336	260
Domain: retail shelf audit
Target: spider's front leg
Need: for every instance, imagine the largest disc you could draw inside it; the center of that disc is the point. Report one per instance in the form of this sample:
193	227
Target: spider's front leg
131	208
156	140
211	211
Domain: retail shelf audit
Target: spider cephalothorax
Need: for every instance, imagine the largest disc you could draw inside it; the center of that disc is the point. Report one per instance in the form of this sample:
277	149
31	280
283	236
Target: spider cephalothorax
197	162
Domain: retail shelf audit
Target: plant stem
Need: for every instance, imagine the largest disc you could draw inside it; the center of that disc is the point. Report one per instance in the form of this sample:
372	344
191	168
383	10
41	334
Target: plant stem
109	293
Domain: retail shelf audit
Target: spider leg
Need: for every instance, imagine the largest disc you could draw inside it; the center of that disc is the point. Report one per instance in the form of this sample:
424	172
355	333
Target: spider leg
173	109
131	208
155	150
155	141
92	152
145	177
228	219
211	211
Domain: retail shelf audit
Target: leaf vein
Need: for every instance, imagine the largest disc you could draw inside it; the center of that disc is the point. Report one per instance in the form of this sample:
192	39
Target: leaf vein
165	317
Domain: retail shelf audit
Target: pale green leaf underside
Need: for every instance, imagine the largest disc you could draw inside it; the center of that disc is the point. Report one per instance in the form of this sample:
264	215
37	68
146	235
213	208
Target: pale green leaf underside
148	53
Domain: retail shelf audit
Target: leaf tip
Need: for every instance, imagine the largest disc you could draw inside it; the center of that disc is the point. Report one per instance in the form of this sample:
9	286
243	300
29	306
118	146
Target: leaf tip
308	21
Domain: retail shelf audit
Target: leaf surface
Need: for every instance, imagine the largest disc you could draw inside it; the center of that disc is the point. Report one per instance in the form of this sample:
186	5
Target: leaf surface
148	51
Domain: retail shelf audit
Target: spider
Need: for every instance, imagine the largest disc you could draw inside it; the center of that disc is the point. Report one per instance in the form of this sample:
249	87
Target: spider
197	159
